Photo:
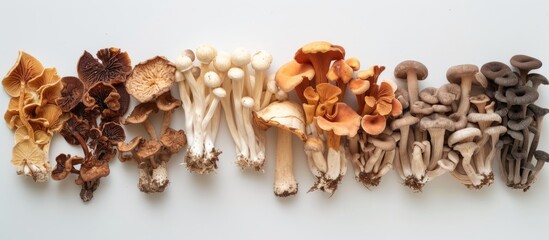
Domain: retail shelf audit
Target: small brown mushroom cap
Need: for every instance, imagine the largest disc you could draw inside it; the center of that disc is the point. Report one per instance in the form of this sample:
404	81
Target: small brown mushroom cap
525	63
173	140
509	79
522	95
537	79
359	86
429	95
463	134
71	95
439	108
449	93
519	124
343	122
111	66
538	111
436	121
151	78
456	73
65	166
94	172
493	70
148	148
292	74
402	69
479	99
166	102
406	120
421	108
113	132
141	113
373	124
495	130
25	69
541	156
286	115
483	117
129	146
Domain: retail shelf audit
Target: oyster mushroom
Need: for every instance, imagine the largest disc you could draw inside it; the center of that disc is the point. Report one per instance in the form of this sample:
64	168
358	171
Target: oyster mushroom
466	75
412	71
289	119
319	55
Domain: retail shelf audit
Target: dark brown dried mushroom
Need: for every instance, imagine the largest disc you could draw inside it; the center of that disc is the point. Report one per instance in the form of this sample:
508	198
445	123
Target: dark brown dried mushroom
111	66
71	95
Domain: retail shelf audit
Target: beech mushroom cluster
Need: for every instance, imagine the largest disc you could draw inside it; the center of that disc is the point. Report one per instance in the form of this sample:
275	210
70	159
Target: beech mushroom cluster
150	83
32	114
515	93
319	75
223	81
93	103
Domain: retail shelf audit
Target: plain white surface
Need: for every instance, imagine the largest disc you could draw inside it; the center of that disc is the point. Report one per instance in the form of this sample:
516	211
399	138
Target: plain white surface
235	203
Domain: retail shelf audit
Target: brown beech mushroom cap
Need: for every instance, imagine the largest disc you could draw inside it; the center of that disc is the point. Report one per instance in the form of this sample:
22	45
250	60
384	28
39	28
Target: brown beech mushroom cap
522	95
405	121
519	124
383	141
148	148
173	140
448	93
525	63
420	108
483	117
71	95
292	74
166	102
466	134
129	146
493	70
480	101
429	95
141	113
439	108
94	172
412	71
537	79
111	66
509	79
150	79
320	55
465	75
25	69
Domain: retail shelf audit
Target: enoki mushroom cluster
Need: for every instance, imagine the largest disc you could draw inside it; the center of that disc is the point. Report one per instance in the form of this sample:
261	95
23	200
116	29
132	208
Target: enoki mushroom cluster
480	117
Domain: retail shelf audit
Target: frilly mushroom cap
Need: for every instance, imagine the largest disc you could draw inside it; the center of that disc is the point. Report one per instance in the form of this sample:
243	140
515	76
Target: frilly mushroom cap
148	148
521	95
436	121
421	108
48	78
114	132
46	116
525	63
343	122
129	146
65	166
340	71
124	99
354	63
509	79
166	102
151	78
173	140
111	66
429	95
27	152
483	117
537	79
292	74
25	69
72	126
519	124
359	86
538	111
448	93
373	124
402	69
493	70
383	141
103	97
406	120
463	134
541	156
456	73
71	95
285	115
319	49
141	113
94	172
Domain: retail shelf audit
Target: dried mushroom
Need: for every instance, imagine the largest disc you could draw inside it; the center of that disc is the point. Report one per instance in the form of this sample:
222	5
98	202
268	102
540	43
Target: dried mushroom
32	114
150	83
93	105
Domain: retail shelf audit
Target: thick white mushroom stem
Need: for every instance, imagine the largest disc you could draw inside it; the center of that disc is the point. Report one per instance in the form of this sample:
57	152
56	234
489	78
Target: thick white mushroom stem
159	178
187	105
437	145
418	165
285	183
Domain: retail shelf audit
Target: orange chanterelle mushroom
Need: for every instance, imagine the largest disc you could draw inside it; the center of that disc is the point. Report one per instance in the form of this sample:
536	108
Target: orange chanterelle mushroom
32	114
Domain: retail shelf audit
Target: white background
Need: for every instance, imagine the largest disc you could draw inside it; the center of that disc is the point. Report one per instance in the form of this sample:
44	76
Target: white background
235	203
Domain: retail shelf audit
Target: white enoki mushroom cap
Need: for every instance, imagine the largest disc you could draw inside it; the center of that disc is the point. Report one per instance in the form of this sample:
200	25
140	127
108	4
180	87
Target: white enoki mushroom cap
261	60
222	62
248	102
205	53
219	92
183	63
212	80
236	74
240	57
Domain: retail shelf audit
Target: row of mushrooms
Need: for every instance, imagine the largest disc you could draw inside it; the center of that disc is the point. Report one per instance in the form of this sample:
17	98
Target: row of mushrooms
460	128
